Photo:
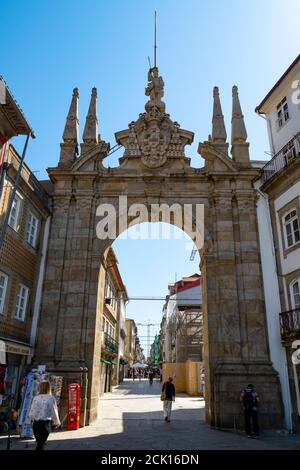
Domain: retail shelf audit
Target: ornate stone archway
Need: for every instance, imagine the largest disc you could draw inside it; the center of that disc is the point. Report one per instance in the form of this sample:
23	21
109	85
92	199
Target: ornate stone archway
154	169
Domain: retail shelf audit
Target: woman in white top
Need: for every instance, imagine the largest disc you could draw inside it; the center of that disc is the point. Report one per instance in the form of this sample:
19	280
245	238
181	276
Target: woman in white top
43	410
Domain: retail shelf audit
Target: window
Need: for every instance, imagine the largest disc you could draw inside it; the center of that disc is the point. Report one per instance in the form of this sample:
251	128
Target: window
289	152
21	304
282	113
295	291
3	287
31	231
14	213
292	232
106	288
113	295
108	291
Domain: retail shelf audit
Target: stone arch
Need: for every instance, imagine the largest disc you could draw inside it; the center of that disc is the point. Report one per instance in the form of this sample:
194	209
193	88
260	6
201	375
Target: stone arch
155	170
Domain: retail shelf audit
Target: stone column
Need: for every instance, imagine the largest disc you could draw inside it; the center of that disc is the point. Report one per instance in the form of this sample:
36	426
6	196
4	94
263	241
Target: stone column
52	294
234	318
69	333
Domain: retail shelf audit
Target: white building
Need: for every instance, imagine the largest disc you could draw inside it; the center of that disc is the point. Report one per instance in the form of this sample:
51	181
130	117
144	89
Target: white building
278	211
181	328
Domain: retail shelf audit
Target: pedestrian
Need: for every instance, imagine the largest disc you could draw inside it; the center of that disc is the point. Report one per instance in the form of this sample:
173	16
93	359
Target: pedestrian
43	412
250	400
151	373
168	396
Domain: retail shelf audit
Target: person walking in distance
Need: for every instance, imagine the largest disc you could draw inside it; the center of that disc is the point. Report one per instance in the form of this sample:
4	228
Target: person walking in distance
250	400
43	412
168	393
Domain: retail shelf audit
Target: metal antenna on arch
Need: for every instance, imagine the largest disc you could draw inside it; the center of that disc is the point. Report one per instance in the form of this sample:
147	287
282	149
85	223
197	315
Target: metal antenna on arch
155	46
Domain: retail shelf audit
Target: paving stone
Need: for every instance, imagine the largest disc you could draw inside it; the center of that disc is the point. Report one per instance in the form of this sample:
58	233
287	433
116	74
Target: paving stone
131	417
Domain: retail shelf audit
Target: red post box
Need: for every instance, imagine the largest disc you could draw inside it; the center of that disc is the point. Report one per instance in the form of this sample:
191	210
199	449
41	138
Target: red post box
73	406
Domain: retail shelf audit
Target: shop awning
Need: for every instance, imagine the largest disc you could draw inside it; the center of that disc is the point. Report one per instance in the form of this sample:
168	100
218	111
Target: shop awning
106	361
16	347
15	122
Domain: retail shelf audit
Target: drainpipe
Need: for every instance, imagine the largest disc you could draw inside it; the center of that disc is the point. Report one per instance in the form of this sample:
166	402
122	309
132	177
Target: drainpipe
296	389
39	287
84	394
271	141
285	383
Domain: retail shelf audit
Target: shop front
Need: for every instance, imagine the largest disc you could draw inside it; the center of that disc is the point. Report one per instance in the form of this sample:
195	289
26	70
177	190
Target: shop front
12	372
122	363
106	374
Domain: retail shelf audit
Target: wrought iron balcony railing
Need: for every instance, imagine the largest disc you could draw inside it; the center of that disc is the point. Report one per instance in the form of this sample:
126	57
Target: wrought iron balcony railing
110	344
290	324
288	153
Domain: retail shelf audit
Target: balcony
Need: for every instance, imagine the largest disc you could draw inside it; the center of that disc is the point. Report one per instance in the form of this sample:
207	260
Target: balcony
290	325
288	153
109	344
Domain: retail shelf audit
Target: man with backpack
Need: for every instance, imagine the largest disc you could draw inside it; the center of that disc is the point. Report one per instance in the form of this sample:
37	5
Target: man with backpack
250	400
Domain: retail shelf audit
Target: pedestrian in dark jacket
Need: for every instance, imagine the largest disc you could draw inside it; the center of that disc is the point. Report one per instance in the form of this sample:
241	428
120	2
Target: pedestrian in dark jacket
168	390
250	400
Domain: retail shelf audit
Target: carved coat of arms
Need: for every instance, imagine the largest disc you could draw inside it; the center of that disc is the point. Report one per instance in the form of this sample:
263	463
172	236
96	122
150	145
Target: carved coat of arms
154	138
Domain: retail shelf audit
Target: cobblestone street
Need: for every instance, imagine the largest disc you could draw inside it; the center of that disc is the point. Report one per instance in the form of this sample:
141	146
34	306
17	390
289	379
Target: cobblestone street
131	418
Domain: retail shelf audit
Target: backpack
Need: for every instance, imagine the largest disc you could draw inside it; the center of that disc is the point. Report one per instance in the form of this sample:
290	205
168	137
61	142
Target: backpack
249	400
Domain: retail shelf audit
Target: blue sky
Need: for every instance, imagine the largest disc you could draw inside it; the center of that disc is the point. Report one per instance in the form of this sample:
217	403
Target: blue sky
48	48
148	266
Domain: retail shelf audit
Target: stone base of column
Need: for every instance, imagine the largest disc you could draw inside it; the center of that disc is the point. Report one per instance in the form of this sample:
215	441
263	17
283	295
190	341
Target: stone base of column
226	410
74	373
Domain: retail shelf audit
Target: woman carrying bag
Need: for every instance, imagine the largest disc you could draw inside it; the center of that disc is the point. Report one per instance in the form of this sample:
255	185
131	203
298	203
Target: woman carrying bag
43	412
168	396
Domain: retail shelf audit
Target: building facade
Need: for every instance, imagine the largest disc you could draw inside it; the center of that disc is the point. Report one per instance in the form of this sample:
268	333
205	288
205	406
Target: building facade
155	358
279	228
182	325
139	351
130	343
25	210
121	335
113	325
22	264
181	335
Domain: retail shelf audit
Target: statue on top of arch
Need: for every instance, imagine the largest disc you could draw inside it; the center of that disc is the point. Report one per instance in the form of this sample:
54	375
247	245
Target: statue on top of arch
155	89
